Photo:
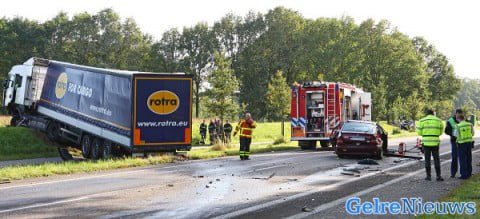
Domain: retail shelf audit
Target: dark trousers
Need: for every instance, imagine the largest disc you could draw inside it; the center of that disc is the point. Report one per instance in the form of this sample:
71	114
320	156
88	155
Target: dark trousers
432	151
454	164
203	135
465	158
245	147
228	137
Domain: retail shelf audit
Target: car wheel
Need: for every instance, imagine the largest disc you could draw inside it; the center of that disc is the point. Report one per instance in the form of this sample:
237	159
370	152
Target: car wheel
379	154
96	149
86	146
65	154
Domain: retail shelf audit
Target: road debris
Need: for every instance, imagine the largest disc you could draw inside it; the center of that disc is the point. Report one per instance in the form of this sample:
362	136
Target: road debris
306	209
207	186
347	173
265	178
368	161
170	185
355	169
217	180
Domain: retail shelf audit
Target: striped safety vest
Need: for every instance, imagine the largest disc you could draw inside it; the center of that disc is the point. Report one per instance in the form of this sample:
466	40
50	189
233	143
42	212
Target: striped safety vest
430	128
245	129
464	132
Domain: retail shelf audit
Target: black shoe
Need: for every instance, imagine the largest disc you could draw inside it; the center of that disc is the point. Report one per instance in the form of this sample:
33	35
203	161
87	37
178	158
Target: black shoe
463	177
452	176
428	178
439	179
241	158
247	158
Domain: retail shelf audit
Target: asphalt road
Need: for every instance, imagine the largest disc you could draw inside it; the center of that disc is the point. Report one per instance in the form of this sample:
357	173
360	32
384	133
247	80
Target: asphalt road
270	185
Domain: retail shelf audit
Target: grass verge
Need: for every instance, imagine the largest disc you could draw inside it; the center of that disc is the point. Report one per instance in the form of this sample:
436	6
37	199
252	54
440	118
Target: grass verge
468	191
389	129
22	143
50	169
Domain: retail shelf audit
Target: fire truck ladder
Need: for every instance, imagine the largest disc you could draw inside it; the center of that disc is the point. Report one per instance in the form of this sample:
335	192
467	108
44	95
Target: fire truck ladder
331	103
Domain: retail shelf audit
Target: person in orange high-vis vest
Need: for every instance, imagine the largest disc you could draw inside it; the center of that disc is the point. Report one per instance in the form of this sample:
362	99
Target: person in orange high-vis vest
245	128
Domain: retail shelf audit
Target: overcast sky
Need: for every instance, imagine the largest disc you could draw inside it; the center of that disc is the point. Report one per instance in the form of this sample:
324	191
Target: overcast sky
452	26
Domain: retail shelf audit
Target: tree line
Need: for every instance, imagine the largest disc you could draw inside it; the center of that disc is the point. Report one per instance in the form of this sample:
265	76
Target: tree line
261	51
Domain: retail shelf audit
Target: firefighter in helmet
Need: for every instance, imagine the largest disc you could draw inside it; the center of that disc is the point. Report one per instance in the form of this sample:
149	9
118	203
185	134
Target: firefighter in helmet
245	127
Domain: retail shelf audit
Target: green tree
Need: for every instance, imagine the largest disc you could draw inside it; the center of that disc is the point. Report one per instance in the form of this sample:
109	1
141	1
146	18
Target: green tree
221	100
414	106
199	44
278	97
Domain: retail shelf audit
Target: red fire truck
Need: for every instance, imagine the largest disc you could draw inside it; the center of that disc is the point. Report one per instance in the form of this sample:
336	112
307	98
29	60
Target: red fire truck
317	108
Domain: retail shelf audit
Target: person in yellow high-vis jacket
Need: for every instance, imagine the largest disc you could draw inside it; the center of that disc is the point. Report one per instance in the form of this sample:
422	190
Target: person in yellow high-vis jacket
430	128
464	133
245	128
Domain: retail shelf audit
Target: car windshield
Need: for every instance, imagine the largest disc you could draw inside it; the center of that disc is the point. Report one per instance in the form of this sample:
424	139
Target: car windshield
359	127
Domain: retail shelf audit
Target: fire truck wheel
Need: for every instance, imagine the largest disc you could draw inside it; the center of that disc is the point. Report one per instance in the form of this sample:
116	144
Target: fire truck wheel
307	145
324	144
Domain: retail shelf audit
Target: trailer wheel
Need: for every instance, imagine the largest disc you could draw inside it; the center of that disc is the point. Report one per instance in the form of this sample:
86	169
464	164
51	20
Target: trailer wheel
307	145
96	149
86	146
65	154
106	150
324	144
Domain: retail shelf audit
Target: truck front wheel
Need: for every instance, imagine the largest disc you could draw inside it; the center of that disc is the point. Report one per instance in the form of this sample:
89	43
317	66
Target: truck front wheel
86	146
53	131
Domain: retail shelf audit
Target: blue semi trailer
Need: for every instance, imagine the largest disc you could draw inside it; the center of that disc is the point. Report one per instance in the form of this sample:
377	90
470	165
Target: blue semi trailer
101	112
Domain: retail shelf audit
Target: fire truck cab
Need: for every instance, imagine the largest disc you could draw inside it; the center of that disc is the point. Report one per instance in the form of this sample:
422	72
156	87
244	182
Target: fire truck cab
317	108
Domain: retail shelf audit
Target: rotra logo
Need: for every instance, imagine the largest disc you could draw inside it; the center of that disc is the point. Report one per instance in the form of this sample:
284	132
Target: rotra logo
163	102
61	86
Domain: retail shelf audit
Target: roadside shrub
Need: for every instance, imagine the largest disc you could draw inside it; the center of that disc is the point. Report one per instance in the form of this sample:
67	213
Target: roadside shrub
396	131
279	140
220	146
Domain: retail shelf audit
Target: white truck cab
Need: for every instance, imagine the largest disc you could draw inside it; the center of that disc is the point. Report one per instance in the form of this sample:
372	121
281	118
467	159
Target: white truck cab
23	86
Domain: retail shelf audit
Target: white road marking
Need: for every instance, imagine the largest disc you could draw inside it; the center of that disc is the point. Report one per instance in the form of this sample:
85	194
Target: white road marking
266	168
360	193
329	187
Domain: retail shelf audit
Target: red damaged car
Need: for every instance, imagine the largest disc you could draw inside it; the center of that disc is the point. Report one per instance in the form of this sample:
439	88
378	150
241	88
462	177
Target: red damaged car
360	138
